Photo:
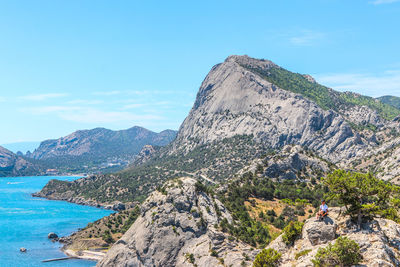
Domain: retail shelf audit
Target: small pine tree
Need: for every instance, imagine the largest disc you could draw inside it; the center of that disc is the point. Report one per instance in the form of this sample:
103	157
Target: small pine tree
267	258
291	232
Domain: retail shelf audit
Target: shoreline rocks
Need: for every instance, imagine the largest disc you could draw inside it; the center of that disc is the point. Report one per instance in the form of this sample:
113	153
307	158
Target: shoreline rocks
52	235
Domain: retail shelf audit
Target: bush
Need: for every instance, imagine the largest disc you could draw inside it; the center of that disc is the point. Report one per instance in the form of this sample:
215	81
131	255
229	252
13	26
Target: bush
291	232
302	253
267	258
345	252
363	195
107	237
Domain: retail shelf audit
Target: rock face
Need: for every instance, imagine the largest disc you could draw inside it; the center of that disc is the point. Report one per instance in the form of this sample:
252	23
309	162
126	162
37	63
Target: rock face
379	240
13	165
235	101
177	229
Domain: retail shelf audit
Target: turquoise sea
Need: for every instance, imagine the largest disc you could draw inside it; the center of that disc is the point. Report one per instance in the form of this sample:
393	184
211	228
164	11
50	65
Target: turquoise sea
25	221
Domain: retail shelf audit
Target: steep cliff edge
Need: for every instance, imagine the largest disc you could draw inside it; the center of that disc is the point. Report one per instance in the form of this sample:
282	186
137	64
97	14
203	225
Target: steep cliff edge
176	228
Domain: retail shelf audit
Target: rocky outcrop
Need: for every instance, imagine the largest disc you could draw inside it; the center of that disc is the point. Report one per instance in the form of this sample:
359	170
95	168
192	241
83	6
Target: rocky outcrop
233	100
52	235
379	240
177	228
363	115
145	154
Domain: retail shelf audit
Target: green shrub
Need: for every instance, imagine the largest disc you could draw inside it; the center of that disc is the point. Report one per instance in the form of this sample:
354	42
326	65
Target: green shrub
302	253
107	237
345	252
291	232
267	258
190	257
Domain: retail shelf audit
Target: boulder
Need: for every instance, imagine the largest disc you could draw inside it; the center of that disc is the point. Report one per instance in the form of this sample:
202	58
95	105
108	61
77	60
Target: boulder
52	235
119	206
320	232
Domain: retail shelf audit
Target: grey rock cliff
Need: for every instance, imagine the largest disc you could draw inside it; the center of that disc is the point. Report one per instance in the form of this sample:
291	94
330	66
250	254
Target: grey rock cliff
177	229
235	101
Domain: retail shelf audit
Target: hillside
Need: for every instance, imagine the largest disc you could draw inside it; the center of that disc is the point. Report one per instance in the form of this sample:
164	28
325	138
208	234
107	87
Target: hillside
98	148
13	165
245	110
390	100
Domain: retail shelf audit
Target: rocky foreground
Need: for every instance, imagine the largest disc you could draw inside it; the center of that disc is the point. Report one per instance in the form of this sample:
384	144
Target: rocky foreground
176	228
379	241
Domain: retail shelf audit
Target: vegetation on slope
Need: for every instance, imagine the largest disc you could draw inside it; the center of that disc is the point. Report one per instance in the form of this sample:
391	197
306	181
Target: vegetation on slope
253	231
390	100
217	160
103	232
323	96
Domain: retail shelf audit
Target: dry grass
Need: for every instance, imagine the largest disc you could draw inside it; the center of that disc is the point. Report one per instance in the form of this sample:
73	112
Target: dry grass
277	206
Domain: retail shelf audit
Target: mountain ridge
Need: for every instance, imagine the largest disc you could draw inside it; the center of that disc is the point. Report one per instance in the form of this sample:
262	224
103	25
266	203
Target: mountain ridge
98	146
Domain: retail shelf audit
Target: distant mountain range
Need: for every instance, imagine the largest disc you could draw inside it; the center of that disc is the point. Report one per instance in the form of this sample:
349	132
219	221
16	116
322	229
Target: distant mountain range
84	151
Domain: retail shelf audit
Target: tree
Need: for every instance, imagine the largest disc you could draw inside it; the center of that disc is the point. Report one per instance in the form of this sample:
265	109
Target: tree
363	195
267	258
291	232
345	252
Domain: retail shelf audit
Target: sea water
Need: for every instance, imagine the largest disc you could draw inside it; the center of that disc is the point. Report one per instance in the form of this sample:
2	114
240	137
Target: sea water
25	222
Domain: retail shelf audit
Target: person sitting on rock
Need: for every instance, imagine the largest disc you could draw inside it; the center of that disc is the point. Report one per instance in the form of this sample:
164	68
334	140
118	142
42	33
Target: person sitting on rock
323	210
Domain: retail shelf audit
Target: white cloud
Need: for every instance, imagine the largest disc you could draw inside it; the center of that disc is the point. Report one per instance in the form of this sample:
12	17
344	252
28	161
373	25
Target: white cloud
306	38
85	102
99	116
380	2
387	83
107	93
50	109
133	106
42	97
2	99
91	115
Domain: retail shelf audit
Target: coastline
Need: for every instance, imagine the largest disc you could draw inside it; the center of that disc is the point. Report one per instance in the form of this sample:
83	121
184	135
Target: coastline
84	254
115	206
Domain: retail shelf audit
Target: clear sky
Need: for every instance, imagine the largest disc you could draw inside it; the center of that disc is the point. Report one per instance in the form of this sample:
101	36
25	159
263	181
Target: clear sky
68	65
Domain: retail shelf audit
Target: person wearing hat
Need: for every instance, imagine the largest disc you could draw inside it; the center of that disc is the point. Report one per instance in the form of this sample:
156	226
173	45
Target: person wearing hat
323	210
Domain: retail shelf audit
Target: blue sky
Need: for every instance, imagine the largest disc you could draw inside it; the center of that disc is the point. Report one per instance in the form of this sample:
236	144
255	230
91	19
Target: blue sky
68	65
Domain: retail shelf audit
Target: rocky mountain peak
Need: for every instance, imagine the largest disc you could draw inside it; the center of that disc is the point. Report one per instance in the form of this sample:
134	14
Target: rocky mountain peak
235	100
251	62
